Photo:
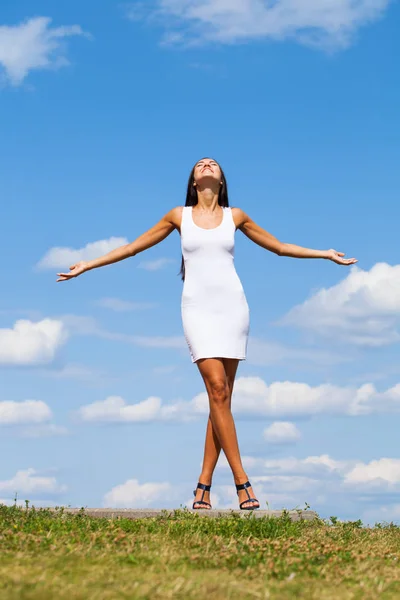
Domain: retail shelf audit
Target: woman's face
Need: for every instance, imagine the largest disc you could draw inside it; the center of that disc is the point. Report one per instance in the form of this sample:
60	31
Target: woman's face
205	170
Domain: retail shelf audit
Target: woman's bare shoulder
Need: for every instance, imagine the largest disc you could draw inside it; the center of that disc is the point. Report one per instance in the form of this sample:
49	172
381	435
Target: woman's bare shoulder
174	216
239	216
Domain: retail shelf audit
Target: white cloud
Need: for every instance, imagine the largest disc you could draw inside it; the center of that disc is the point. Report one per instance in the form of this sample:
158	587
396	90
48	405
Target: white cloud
330	24
30	417
155	265
29	481
384	470
29	343
33	44
281	432
132	494
253	398
115	409
330	486
21	413
63	258
118	305
363	309
291	482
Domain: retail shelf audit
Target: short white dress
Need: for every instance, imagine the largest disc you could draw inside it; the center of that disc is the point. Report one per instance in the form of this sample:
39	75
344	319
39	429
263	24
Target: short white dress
215	313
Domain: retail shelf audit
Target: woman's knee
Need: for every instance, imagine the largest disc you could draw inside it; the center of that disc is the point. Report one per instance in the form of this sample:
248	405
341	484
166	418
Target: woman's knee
219	391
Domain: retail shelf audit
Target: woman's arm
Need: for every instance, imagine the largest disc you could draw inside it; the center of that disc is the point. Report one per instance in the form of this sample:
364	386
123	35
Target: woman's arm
266	240
150	238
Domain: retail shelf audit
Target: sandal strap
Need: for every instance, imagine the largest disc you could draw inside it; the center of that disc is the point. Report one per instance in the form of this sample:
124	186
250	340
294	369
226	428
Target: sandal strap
204	487
201	502
243	486
248	500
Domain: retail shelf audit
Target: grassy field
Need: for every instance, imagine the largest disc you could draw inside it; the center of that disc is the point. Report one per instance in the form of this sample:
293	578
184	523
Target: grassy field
55	556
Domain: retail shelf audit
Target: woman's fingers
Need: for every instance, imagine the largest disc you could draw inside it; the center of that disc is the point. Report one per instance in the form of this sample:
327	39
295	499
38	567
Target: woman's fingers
337	257
347	261
64	276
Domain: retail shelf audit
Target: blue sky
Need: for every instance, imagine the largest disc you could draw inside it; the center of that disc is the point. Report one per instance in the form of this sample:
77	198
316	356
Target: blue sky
103	113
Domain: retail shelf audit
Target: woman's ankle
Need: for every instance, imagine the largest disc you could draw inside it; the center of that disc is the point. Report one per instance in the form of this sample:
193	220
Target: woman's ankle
240	479
205	478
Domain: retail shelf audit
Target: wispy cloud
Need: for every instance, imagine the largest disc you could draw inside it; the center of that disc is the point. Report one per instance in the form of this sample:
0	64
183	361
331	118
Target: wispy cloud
63	257
79	325
329	24
43	431
73	371
263	353
118	305
33	44
155	265
259	352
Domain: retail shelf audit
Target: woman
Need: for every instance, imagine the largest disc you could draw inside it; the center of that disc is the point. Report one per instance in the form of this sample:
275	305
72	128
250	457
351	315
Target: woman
215	313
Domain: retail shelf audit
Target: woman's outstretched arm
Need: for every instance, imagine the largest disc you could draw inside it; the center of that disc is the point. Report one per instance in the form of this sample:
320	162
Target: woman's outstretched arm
150	238
266	240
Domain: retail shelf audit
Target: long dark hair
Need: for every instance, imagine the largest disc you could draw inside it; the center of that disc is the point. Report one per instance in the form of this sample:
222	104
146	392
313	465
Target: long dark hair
192	199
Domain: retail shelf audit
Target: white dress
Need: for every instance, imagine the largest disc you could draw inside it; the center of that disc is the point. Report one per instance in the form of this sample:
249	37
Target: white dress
215	313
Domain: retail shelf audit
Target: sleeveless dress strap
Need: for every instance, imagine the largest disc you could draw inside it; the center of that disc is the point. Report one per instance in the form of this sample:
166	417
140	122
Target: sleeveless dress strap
184	220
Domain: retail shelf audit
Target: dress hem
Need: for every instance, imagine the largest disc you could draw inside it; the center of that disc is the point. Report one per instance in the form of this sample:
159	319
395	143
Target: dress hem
214	356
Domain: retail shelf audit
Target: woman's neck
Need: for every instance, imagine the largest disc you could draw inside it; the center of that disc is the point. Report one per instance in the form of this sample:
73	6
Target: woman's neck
207	199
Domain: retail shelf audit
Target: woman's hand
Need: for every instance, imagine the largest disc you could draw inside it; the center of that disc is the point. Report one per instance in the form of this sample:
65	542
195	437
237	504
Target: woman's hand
337	258
75	270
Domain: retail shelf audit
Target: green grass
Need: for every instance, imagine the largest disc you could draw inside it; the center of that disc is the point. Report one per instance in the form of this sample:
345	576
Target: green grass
47	555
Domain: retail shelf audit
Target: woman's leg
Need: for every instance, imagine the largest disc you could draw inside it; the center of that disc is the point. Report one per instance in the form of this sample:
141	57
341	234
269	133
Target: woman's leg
223	433
212	447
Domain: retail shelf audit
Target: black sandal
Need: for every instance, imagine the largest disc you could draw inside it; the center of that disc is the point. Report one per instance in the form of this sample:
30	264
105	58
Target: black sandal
243	486
205	488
